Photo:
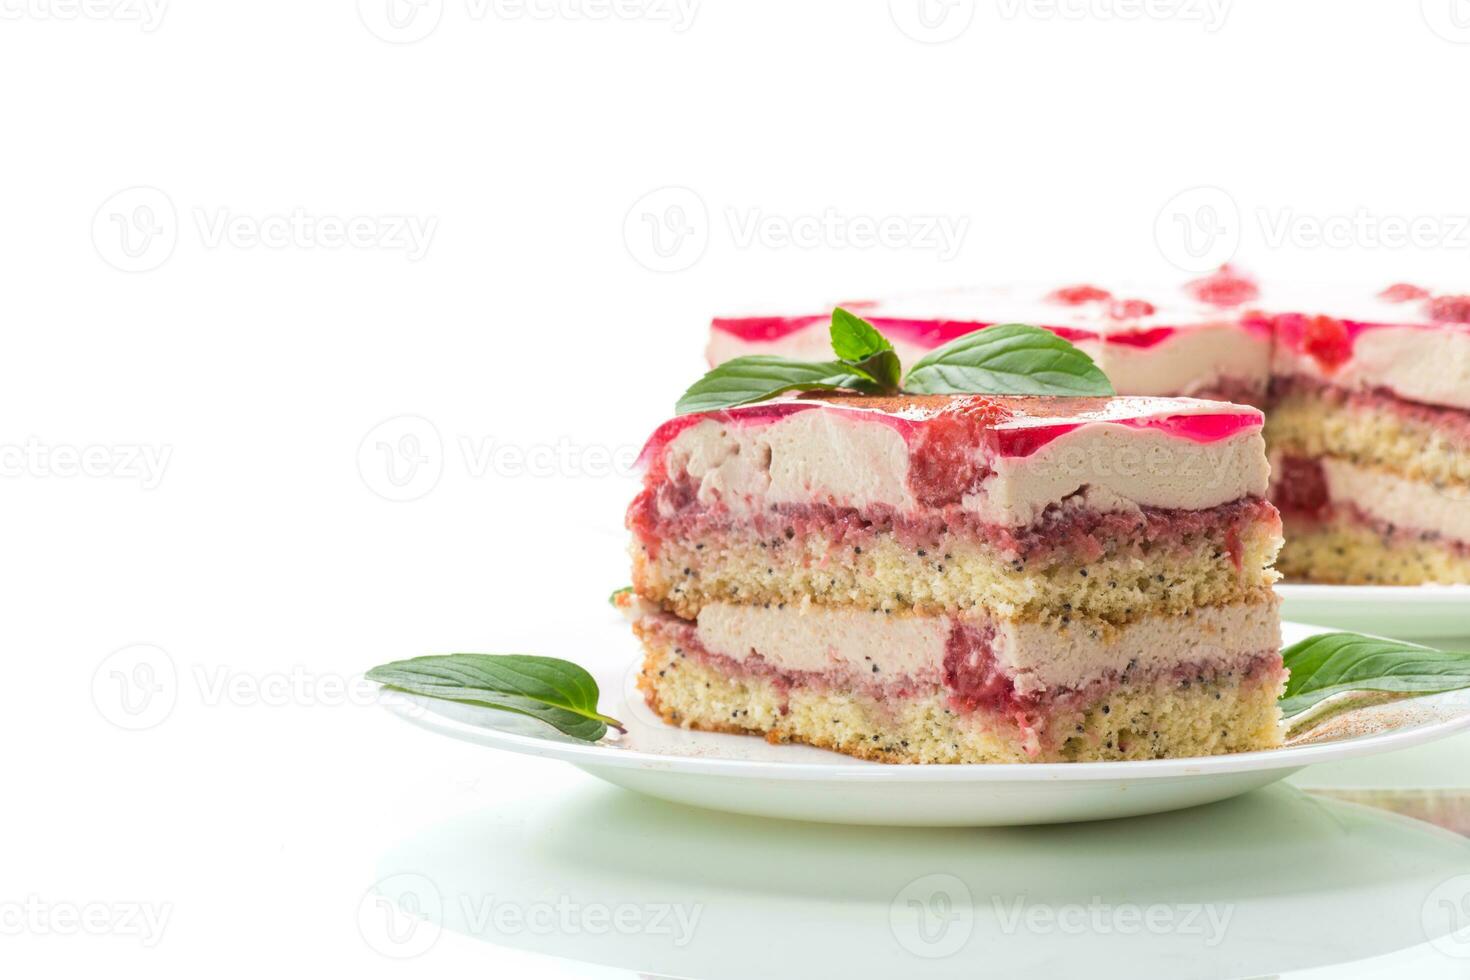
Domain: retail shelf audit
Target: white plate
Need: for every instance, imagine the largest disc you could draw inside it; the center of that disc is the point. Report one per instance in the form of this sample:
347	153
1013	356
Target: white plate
744	774
1410	612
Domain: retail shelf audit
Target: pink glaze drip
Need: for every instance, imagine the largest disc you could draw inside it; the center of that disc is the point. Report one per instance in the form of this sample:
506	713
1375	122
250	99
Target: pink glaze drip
930	333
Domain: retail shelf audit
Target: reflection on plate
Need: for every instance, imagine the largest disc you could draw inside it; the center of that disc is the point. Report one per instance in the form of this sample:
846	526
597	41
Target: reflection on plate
744	774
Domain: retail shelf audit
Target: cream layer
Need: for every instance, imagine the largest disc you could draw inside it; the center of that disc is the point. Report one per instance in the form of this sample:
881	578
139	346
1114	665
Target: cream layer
1036	656
847	459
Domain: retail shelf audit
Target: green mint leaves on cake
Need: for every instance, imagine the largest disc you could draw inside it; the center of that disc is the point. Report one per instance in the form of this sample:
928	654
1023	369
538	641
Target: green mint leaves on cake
1336	663
762	376
1006	359
866	351
557	692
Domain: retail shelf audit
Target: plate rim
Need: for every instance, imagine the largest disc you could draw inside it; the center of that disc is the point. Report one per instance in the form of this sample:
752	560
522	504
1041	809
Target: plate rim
609	755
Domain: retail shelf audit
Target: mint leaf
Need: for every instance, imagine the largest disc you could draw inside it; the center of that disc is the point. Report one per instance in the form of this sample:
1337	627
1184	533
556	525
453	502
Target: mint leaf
1007	359
859	344
882	369
855	339
557	692
756	377
1336	662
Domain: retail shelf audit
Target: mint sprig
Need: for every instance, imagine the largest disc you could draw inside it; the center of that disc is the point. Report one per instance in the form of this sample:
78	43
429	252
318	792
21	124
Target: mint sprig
758	377
1335	663
557	692
1008	359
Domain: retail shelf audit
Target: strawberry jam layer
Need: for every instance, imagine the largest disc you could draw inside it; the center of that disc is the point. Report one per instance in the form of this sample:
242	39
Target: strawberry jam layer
1070	534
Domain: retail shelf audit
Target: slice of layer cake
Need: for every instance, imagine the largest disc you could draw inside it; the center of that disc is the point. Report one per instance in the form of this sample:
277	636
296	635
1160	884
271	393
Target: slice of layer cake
1370	432
963	578
1202	339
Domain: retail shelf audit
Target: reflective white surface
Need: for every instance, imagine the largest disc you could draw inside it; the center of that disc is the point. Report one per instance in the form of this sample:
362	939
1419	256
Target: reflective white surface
1276	880
372	456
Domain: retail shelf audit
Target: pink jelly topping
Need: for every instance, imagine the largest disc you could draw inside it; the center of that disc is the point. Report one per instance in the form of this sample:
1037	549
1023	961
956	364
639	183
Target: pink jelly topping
1077	295
944	427
1130	309
1450	309
1225	287
1402	292
928	334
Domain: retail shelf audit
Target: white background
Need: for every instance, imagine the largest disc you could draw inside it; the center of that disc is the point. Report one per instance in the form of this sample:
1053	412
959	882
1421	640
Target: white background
174	174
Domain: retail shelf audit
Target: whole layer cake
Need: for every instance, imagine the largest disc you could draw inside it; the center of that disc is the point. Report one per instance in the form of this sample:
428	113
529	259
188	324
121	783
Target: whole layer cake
1191	340
963	578
1370	434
